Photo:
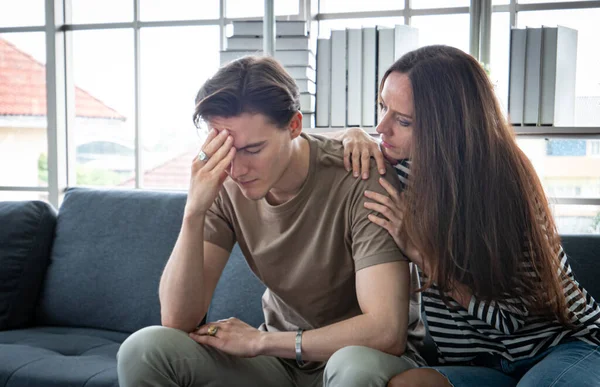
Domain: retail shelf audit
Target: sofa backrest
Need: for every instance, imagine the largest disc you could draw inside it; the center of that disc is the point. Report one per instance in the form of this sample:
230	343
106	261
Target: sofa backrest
108	255
26	235
583	252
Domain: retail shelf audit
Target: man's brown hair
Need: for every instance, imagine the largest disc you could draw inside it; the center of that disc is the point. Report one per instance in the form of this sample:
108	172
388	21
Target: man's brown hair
252	84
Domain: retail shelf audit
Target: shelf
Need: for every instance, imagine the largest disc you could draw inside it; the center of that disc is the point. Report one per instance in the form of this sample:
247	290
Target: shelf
558	131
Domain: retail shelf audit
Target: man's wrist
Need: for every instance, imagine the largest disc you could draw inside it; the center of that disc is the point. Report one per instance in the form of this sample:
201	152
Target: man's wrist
194	218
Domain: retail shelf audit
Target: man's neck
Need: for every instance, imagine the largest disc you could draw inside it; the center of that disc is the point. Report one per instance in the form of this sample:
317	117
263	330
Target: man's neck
295	174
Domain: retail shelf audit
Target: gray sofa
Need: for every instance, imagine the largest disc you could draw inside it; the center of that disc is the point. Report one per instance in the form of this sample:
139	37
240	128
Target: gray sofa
75	284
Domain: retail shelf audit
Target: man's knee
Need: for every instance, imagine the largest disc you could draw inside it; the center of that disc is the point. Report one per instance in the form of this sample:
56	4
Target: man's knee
148	349
147	342
353	366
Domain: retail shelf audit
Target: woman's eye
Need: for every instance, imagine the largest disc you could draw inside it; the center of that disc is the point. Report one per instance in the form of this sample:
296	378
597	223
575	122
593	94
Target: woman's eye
382	107
253	152
403	122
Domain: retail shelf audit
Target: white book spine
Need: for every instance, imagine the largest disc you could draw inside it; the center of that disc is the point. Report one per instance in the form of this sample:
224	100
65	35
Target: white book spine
566	70
323	82
307	103
516	83
282	28
338	79
548	76
385	54
285	57
355	70
533	68
306	86
406	39
256	43
302	72
369	77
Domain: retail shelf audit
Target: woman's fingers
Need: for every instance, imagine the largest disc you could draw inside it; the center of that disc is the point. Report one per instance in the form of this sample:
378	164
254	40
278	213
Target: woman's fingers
388	212
365	163
356	162
376	196
379	159
390	189
347	161
381	222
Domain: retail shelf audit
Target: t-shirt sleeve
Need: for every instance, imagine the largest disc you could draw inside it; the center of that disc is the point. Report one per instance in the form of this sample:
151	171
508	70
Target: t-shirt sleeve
371	244
218	227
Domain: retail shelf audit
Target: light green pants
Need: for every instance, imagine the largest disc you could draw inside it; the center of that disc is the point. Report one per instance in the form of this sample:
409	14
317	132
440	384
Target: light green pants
166	357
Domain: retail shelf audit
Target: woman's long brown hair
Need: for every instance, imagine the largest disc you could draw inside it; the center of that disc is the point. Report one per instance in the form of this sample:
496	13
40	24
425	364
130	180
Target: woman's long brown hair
477	209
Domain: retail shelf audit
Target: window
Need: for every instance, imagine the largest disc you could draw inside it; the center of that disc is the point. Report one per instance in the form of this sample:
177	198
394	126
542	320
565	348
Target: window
256	8
22	13
439	3
171	76
595	147
563	165
153	10
333	6
576	219
566	147
23	124
499	56
104	113
452	30
101	11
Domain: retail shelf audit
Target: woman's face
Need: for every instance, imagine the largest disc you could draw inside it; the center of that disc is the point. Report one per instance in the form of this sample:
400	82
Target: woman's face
397	112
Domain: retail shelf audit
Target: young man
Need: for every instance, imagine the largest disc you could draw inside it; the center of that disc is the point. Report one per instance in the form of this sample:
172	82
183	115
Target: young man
334	278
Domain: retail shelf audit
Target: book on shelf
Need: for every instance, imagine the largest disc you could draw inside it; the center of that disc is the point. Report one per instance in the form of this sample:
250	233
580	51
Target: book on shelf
385	52
559	63
339	65
256	43
369	76
323	82
516	83
307	103
285	57
533	69
406	39
308	120
306	86
302	72
255	28
354	78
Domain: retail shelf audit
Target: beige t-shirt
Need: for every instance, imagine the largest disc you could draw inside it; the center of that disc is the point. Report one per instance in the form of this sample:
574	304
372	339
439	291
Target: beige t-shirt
307	250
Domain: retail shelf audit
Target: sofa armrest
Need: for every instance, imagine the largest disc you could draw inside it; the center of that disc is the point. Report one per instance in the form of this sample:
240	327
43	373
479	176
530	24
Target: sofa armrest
26	234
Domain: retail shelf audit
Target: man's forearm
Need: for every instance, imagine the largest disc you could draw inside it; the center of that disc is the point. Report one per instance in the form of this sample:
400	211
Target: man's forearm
181	288
318	345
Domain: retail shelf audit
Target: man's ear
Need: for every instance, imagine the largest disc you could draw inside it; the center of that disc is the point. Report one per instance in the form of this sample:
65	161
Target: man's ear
295	125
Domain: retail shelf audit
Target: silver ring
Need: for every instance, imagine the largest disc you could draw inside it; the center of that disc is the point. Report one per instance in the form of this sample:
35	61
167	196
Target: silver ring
202	156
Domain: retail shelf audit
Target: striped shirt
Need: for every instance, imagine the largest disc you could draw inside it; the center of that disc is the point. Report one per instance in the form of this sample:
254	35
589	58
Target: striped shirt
504	328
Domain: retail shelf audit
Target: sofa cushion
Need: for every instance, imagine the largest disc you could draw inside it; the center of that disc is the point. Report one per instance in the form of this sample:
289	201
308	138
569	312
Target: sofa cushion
61	357
26	233
108	255
584	256
238	293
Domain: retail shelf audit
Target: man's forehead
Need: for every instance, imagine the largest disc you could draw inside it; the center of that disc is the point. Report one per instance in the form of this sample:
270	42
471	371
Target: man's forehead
245	130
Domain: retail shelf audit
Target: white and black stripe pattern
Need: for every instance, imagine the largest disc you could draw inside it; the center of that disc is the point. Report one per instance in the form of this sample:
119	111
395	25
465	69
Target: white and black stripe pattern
403	170
505	328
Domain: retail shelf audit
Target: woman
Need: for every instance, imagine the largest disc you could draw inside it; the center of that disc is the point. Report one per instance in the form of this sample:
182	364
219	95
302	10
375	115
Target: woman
502	305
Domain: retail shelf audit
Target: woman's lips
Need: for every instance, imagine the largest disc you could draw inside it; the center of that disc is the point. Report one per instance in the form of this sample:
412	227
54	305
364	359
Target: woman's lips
386	145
